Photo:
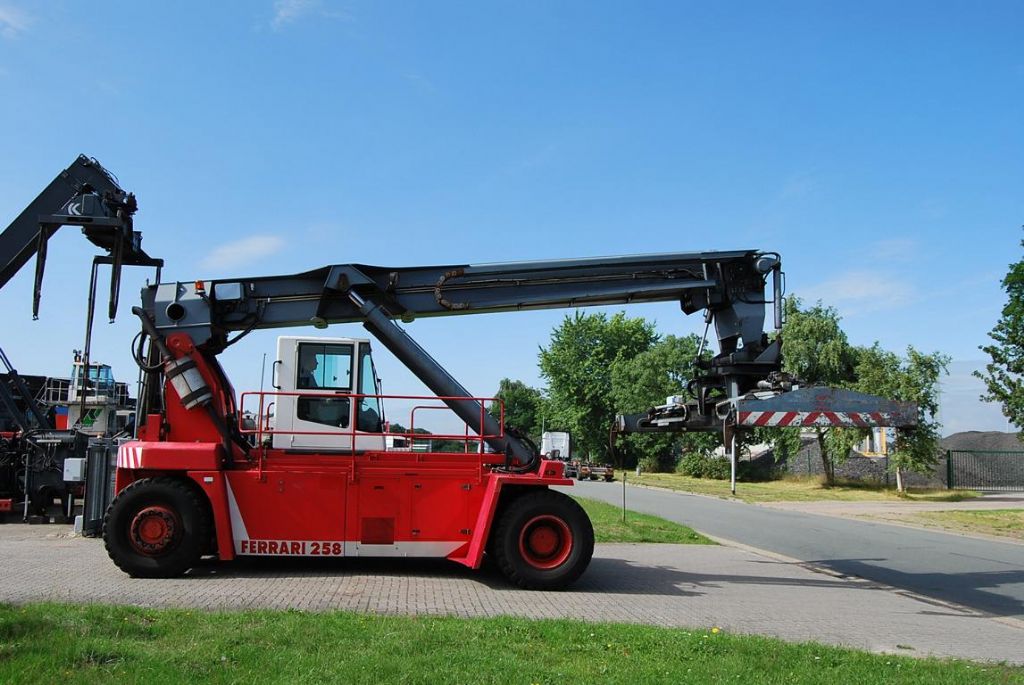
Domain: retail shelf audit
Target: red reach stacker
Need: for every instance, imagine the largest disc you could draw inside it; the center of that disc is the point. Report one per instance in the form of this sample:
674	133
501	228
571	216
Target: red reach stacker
315	477
308	469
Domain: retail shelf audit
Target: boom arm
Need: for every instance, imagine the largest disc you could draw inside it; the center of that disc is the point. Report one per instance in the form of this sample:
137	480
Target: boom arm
87	195
729	286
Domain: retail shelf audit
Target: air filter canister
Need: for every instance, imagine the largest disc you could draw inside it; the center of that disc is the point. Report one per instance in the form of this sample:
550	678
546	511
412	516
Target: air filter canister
188	382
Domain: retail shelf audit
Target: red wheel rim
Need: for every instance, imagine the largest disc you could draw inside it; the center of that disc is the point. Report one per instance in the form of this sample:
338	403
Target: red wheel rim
154	530
545	542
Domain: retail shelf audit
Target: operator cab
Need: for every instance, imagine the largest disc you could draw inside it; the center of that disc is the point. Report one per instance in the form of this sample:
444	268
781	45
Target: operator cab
328	396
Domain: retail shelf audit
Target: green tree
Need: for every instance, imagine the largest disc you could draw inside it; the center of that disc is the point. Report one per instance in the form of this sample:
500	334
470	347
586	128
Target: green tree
914	379
816	350
577	364
645	381
1004	375
785	442
524	407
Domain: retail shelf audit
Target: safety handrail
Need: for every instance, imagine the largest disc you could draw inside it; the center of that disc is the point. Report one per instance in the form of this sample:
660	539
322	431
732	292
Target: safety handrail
261	427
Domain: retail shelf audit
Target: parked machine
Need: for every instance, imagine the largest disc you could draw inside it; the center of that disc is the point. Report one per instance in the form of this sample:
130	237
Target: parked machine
214	474
47	423
318	479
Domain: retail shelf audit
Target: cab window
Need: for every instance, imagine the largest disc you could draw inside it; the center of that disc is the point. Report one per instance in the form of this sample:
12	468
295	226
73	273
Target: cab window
324	367
369	419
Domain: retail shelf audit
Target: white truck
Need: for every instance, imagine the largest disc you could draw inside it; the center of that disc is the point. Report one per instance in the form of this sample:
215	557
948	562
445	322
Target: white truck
558	445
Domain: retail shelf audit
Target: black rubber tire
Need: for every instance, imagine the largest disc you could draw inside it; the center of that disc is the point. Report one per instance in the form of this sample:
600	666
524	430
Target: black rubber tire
177	495
506	539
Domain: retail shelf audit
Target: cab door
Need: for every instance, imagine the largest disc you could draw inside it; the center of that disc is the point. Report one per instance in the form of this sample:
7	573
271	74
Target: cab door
329	396
369	411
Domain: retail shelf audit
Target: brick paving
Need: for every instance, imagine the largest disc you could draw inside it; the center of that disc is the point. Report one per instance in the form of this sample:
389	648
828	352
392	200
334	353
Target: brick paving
667	585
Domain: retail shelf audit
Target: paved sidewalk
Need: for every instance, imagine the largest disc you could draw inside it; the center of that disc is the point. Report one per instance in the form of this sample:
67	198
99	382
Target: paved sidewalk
668	585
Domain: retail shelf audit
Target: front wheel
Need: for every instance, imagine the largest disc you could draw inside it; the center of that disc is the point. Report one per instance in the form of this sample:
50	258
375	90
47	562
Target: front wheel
157	528
543	541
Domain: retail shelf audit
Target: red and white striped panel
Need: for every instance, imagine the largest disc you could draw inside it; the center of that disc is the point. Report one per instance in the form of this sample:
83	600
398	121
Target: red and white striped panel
129	457
782	419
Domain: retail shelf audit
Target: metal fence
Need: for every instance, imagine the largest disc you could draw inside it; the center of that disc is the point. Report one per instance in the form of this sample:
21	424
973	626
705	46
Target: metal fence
985	470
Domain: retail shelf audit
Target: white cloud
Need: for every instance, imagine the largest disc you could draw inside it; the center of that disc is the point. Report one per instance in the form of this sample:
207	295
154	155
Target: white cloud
241	252
289	11
13	21
862	292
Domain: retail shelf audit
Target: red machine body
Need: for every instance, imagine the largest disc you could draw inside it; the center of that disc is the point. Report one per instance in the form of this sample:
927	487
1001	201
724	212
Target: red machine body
372	504
267	501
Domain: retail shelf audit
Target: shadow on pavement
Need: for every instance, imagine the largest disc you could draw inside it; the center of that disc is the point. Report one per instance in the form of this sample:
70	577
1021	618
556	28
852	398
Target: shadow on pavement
606	575
967	589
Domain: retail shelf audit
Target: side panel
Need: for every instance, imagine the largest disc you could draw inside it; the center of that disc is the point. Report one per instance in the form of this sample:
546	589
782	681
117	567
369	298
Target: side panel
290	513
214	484
440	509
414	514
382	516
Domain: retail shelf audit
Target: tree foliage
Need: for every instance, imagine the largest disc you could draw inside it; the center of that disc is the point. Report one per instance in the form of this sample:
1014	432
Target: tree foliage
1004	375
816	350
577	364
524	407
913	379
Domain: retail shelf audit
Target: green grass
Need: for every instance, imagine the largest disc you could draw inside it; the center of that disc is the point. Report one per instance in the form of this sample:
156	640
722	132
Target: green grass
609	527
1004	522
796	490
50	643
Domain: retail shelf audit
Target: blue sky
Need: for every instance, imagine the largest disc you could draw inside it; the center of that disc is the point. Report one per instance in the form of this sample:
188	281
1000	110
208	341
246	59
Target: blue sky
877	146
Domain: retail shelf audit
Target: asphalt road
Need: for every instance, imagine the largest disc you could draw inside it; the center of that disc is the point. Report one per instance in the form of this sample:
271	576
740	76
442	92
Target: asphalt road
977	573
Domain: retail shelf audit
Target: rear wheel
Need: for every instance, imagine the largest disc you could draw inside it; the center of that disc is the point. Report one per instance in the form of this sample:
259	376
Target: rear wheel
543	541
157	528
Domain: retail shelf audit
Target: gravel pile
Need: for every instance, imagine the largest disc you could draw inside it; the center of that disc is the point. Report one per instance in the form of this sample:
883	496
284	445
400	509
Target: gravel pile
982	440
